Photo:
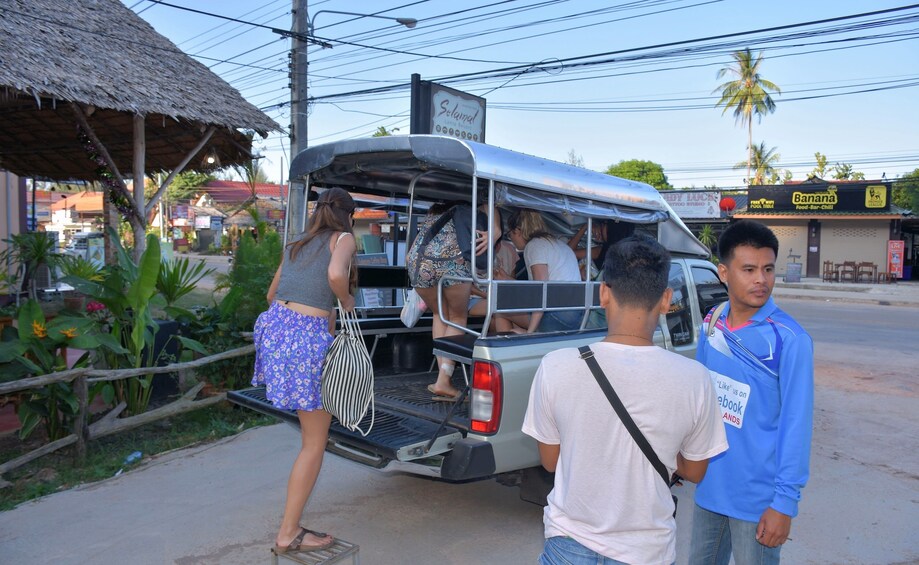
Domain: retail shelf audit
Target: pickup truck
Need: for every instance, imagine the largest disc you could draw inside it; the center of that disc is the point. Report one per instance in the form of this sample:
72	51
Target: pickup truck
479	435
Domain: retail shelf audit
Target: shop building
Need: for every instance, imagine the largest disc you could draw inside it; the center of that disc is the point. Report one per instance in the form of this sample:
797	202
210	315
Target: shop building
826	224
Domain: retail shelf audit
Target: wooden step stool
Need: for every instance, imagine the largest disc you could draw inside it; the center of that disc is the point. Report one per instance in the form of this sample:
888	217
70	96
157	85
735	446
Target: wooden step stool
335	554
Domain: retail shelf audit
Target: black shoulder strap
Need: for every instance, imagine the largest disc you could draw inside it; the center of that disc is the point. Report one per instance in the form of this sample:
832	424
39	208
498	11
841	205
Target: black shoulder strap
436	227
588	356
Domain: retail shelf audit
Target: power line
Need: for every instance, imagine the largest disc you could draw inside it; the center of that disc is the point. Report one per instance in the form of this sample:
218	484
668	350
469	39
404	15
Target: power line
581	59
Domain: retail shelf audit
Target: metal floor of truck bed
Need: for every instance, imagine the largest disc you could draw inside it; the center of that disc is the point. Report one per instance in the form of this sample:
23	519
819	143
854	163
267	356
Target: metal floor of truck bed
405	414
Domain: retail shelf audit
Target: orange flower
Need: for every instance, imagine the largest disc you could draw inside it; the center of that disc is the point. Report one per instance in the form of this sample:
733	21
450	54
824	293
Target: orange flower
69	333
38	329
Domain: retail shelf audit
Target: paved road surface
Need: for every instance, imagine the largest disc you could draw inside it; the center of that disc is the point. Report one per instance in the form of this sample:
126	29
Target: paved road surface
220	503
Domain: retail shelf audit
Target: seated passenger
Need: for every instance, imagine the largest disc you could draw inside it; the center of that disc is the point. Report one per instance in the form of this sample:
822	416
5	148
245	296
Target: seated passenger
547	259
603	235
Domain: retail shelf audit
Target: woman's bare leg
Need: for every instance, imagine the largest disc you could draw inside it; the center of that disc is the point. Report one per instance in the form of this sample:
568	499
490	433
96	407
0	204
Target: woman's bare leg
456	304
512	322
438	328
314	432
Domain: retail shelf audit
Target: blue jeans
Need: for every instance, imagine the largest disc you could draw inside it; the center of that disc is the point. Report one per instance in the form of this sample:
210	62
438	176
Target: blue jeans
560	550
561	320
716	536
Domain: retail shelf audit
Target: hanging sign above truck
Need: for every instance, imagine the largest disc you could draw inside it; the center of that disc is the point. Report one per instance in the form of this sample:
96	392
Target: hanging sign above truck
441	110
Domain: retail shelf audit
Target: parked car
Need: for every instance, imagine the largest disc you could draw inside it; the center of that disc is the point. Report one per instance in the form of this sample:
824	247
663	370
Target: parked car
80	243
481	438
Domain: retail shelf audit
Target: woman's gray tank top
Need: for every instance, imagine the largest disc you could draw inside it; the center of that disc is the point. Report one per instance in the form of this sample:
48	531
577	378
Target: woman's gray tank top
306	279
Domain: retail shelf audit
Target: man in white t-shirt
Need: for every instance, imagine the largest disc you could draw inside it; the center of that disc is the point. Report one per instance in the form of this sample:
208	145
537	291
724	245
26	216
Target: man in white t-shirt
608	501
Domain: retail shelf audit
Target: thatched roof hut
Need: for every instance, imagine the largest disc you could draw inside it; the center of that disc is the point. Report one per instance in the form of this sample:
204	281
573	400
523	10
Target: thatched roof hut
101	56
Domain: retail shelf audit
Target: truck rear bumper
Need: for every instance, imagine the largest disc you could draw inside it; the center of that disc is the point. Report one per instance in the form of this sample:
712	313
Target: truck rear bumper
469	460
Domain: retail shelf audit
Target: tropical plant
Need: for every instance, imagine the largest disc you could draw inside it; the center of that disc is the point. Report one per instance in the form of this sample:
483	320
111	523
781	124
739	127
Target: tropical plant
708	238
30	253
748	94
383	132
220	335
763	164
38	347
179	277
845	171
647	172
252	174
254	265
128	292
820	169
81	267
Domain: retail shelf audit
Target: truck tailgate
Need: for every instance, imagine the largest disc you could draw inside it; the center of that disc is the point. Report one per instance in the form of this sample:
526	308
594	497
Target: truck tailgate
405	424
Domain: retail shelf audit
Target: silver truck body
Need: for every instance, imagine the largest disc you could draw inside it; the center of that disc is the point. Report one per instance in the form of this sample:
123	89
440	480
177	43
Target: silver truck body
482	438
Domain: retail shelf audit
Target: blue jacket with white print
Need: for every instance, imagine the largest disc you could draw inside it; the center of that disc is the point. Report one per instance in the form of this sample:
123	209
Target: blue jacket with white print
764	378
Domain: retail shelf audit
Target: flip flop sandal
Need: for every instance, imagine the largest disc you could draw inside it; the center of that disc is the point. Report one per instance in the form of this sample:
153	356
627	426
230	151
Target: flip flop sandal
297	543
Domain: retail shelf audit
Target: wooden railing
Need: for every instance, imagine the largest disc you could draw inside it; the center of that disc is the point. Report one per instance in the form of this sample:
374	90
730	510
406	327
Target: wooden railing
110	423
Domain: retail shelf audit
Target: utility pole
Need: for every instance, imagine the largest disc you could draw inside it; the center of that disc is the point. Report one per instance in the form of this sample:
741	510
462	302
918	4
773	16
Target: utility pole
298	79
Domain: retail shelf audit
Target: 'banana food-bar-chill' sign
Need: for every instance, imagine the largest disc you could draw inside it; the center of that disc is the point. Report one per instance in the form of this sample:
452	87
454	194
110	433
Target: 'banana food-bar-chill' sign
822	197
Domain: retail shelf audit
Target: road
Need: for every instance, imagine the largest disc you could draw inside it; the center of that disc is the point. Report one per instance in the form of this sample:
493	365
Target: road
862	347
219	504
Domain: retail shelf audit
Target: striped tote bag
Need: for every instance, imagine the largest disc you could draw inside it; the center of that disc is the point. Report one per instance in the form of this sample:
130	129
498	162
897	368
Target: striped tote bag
347	376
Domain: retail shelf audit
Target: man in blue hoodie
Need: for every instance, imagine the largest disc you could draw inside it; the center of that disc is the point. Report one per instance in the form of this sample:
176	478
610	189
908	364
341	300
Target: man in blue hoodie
762	362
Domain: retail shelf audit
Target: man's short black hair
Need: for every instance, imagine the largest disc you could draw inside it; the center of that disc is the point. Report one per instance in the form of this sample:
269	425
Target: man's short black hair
636	269
746	232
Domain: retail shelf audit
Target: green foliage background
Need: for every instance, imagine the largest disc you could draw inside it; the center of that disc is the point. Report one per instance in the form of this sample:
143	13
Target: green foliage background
249	278
906	191
647	172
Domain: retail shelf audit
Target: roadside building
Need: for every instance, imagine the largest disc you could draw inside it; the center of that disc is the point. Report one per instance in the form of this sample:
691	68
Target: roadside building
834	229
79	212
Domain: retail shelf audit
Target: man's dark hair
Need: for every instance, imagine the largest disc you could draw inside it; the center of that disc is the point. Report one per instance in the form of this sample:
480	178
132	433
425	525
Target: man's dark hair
636	269
746	232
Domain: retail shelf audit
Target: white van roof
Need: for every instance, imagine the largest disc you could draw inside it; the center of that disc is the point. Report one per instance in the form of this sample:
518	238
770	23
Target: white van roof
440	167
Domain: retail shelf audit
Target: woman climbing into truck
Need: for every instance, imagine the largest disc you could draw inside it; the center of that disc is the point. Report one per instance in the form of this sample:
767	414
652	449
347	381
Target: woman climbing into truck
437	253
291	340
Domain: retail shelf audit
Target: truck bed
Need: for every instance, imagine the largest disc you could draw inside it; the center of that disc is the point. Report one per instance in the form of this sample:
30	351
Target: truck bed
408	423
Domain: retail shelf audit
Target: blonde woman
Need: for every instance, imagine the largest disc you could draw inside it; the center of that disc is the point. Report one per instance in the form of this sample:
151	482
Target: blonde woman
547	259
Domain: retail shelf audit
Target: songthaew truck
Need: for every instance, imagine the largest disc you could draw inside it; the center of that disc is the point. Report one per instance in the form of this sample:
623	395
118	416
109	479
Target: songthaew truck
478	436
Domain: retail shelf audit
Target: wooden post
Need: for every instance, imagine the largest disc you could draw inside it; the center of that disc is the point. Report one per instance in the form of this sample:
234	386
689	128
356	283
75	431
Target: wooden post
81	425
140	149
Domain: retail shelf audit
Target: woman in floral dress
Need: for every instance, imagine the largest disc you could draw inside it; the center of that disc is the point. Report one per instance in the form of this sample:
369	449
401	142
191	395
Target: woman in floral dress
291	340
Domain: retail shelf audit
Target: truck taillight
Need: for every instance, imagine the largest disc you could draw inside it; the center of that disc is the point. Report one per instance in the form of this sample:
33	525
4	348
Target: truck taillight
486	397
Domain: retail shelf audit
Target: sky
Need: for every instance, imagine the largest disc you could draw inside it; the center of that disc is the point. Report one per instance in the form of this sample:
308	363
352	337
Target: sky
603	81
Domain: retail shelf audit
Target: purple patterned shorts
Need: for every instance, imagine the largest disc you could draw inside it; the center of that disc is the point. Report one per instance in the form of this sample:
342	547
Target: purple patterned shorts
290	349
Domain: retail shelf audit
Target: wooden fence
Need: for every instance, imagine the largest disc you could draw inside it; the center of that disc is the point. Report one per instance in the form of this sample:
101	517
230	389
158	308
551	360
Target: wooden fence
110	423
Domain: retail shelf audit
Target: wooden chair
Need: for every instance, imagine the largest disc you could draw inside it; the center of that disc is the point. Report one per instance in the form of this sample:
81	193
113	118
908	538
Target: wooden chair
866	270
847	272
829	272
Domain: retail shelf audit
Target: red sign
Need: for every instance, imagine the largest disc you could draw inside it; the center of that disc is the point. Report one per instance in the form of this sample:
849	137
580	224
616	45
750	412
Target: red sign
895	251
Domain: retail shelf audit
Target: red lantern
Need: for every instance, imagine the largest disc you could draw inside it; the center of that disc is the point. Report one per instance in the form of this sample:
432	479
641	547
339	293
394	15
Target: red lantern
727	204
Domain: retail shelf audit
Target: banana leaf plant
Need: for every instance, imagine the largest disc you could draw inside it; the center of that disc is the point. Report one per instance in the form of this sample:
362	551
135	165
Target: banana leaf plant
38	347
128	292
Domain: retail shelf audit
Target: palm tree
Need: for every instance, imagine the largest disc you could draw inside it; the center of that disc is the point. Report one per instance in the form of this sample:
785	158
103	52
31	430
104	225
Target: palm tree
763	164
747	94
252	174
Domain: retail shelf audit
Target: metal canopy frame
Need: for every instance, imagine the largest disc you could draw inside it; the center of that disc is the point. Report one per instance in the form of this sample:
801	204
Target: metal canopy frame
432	167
